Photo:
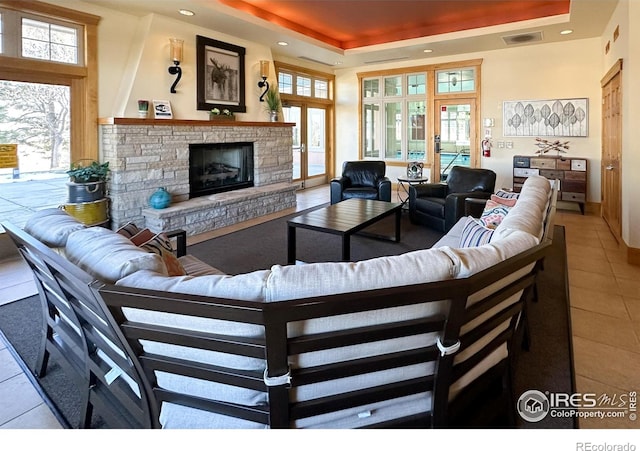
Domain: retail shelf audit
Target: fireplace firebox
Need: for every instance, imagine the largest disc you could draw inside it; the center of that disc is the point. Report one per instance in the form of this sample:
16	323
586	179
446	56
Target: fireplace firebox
219	167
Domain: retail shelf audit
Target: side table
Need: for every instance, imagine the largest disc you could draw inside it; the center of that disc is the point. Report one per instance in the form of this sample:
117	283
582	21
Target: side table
402	189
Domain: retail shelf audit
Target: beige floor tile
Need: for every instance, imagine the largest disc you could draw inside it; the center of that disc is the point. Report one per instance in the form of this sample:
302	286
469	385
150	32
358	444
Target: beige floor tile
39	417
595	265
598	302
626	271
585	252
616	255
604	329
18	396
582	235
606	363
606	396
593	281
629	288
633	307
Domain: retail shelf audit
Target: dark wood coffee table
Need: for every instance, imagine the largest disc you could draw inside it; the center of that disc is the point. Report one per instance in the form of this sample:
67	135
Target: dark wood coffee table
344	218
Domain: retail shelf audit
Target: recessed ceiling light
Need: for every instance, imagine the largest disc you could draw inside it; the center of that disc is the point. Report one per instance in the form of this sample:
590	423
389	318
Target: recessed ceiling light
283	43
566	32
186	12
427	50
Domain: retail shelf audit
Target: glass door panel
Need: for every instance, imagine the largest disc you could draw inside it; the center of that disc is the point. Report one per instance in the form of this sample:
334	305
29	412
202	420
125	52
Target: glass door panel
457	133
293	113
309	143
316	141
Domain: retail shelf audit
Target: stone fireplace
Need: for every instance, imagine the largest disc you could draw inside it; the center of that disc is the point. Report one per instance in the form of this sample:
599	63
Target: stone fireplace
145	154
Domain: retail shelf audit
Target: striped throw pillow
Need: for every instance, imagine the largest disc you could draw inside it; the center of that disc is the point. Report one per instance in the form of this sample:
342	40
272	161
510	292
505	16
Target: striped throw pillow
474	233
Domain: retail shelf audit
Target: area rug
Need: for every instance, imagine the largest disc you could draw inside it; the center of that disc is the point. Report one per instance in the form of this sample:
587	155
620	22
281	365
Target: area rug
264	245
547	366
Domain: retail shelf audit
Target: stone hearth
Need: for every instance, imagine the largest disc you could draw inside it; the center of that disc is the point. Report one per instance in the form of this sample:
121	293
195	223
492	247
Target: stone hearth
145	154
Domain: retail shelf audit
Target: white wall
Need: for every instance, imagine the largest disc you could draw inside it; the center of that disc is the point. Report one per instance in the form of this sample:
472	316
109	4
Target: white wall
545	71
133	56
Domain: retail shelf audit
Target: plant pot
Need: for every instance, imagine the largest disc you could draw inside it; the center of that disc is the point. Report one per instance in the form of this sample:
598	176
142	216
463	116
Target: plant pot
273	116
220	117
85	192
89	213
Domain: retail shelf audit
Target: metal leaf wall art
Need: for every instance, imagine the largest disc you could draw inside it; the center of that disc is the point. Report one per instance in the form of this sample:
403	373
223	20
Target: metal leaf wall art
558	117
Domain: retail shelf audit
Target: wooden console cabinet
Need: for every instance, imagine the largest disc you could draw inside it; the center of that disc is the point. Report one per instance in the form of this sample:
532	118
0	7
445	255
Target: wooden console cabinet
572	173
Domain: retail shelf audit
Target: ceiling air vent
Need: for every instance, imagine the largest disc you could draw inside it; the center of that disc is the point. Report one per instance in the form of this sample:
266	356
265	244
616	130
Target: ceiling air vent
525	38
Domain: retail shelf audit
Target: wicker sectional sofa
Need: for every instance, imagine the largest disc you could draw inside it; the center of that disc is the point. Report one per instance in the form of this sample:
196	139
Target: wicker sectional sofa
323	345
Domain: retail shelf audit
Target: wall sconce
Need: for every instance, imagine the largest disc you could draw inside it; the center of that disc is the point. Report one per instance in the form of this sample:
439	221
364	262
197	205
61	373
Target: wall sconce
264	73
175	47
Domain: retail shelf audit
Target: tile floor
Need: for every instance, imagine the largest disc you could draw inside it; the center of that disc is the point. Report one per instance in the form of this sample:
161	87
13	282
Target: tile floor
605	314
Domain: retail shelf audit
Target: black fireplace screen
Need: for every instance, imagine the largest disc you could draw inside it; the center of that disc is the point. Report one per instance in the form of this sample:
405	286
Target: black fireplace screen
219	167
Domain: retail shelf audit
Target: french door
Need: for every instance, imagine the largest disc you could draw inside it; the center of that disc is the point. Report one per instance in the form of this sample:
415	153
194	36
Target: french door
310	142
455	136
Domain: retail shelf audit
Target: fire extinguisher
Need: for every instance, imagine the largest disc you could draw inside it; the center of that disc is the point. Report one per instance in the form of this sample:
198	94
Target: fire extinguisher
486	147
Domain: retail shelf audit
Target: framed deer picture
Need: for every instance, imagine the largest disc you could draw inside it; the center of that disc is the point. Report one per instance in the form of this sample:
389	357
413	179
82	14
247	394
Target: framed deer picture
220	75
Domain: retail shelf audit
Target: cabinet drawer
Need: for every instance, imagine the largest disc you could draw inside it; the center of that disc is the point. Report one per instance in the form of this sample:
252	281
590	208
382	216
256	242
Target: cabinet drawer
575	175
574	186
573	197
543	163
520	162
563	164
519	180
578	165
517	187
524	172
552	174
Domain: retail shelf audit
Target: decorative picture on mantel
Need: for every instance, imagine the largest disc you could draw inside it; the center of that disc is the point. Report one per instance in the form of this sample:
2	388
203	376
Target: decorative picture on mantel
220	75
556	117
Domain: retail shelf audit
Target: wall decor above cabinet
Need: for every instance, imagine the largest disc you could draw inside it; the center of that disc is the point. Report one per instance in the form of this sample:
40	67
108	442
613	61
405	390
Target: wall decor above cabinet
556	117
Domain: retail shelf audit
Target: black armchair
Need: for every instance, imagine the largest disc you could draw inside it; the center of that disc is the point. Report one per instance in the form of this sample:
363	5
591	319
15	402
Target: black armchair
440	205
363	180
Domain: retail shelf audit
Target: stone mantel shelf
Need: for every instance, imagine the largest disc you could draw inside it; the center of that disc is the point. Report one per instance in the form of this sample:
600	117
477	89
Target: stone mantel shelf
188	122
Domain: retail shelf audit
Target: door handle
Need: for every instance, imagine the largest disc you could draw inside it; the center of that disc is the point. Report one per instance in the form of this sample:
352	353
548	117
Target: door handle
610	168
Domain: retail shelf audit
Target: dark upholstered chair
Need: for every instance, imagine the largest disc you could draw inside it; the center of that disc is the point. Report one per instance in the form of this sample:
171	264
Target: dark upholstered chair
362	180
440	205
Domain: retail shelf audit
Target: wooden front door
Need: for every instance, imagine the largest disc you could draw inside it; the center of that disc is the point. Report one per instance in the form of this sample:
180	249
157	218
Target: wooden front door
612	149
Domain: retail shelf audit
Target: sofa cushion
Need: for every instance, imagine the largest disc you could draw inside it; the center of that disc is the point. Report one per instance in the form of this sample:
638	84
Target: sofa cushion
193	266
474	233
471	260
318	279
52	226
109	256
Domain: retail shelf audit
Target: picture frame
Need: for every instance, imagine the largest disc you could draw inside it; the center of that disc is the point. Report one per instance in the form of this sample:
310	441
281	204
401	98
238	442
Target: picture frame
220	75
162	109
554	117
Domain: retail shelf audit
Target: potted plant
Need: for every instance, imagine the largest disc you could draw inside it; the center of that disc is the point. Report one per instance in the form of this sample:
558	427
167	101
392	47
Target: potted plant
87	181
216	114
273	104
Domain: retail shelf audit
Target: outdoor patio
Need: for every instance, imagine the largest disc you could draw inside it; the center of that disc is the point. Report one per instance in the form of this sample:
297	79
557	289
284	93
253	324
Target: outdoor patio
20	198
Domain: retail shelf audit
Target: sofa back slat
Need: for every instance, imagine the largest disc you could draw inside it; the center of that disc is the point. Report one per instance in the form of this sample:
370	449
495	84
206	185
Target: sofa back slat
69	299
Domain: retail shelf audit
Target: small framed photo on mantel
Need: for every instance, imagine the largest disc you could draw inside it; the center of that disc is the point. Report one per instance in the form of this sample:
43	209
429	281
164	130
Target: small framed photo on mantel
162	109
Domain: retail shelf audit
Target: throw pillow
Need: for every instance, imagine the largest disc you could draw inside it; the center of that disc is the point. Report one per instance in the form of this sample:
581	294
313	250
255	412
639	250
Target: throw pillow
507	194
474	233
493	214
161	245
142	237
128	230
509	202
